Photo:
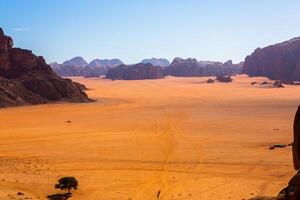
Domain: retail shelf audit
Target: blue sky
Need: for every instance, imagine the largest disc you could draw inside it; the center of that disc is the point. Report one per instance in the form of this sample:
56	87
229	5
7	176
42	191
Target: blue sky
135	29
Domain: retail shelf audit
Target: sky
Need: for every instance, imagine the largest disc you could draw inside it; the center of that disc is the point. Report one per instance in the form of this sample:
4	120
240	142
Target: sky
132	30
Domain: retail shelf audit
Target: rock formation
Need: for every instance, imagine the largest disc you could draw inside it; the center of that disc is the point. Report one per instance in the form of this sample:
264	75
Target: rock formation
191	67
292	191
67	70
99	67
135	72
26	79
76	61
105	63
296	145
278	84
278	62
160	62
79	67
224	79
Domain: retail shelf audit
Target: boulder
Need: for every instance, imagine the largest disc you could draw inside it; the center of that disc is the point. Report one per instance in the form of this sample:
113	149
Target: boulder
210	81
224	79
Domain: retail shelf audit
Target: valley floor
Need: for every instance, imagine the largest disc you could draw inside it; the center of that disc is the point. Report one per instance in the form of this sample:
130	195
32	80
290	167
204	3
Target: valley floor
176	138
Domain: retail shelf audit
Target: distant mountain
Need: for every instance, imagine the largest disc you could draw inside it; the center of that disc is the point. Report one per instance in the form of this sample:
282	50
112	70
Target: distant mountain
79	67
77	61
278	62
67	70
105	63
179	67
135	72
160	62
99	67
191	67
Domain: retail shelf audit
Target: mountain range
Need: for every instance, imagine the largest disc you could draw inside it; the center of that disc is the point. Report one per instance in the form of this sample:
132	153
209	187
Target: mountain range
179	67
278	62
77	66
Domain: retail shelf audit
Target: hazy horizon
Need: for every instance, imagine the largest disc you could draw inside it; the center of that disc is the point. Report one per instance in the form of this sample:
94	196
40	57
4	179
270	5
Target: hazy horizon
134	30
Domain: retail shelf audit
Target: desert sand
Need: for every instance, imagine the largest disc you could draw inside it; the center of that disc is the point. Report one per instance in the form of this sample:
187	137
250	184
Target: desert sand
180	136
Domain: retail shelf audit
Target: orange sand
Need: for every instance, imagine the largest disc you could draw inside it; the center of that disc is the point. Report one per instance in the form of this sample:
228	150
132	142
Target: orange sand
182	137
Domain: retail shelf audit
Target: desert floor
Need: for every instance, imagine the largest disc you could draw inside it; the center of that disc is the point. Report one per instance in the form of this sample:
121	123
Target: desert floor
180	136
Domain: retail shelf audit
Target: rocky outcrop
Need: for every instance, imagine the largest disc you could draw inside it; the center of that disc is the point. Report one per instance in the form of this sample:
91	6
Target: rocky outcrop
135	72
292	191
184	67
224	79
278	62
191	68
296	145
26	79
160	62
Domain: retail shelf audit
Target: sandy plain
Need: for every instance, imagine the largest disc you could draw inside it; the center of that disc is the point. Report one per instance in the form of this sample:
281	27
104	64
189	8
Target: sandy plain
185	138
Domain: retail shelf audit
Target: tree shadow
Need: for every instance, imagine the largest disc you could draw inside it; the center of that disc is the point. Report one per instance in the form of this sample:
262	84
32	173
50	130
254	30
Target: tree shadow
59	196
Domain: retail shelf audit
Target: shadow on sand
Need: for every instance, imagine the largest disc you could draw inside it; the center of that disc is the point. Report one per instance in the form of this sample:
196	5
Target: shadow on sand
263	198
59	196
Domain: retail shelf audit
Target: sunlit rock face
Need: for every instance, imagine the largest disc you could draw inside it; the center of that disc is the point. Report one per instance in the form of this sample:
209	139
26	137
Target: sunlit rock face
278	62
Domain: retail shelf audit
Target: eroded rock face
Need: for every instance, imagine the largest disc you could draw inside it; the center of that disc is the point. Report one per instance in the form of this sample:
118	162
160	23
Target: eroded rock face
135	72
26	79
278	62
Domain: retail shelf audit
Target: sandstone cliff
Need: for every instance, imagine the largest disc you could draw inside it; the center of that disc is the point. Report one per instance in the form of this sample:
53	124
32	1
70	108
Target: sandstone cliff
26	79
278	62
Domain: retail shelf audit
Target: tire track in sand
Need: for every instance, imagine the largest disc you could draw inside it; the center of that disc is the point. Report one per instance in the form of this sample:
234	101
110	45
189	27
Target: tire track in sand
169	138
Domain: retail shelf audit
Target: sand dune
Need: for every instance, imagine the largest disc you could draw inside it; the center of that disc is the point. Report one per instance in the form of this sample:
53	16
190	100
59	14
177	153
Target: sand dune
179	136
